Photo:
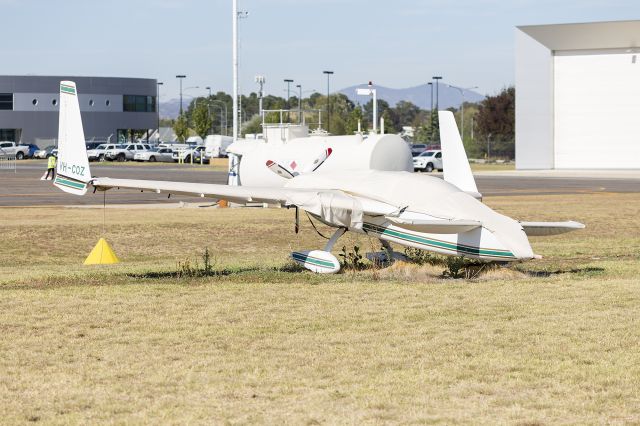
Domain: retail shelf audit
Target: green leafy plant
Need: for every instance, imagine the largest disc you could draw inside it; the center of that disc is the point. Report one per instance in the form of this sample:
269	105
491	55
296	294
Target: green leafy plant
352	259
461	267
187	268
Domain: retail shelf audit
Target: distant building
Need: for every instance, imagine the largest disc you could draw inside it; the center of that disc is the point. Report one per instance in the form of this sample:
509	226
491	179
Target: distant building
110	107
578	96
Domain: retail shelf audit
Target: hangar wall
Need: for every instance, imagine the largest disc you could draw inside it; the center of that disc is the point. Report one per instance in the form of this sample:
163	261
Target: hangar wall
578	96
534	104
597	107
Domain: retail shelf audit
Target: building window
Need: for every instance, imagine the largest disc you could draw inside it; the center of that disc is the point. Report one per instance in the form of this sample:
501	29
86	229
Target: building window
6	101
34	102
135	103
90	102
107	102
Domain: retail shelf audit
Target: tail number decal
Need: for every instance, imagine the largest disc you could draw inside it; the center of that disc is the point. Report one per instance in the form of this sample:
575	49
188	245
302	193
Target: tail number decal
72	168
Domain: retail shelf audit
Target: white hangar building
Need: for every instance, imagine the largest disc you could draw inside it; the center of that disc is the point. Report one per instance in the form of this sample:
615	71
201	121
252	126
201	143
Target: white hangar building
578	96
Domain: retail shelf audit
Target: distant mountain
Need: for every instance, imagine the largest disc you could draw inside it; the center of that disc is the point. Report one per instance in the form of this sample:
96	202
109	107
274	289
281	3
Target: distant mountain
171	108
418	95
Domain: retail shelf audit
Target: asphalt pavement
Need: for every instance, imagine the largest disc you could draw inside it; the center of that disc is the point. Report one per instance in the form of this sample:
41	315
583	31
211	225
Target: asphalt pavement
24	188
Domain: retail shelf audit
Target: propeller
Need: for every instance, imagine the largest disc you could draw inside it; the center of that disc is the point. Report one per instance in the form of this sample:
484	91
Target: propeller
287	173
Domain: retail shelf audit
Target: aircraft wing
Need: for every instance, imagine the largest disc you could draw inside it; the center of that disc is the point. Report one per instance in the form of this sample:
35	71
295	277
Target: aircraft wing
238	194
537	229
452	226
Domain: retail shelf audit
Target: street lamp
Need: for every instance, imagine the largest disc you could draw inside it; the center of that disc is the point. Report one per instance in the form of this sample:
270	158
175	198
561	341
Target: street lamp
299	86
260	80
328	73
288	81
209	89
159	83
180	77
461	90
431	87
437	78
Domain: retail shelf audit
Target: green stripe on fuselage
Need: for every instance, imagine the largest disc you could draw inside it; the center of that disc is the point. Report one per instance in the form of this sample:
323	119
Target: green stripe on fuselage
305	258
67	89
70	183
459	248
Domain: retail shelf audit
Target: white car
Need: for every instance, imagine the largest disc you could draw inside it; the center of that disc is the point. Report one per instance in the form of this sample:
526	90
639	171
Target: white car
158	154
428	161
11	148
186	154
125	152
97	154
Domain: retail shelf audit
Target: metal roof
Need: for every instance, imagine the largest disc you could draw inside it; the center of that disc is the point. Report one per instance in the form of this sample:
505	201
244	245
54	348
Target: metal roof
586	36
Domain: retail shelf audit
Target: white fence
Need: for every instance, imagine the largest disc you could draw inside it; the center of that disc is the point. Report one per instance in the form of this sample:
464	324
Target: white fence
8	162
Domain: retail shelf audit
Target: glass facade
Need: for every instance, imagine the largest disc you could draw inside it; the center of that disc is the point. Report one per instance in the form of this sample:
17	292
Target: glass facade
136	103
6	101
8	135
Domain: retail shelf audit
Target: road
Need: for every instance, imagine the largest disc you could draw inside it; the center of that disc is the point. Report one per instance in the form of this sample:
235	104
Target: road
24	188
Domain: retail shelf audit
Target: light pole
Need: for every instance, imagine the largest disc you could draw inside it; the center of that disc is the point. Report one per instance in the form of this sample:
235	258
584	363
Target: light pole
461	90
180	77
288	81
260	80
209	107
437	78
431	87
184	90
299	86
328	73
213	101
159	83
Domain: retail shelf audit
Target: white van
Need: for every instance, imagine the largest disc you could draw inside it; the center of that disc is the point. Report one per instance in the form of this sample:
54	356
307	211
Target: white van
216	146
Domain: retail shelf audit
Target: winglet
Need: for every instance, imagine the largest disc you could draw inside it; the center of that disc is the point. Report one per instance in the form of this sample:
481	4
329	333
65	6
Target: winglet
72	169
454	160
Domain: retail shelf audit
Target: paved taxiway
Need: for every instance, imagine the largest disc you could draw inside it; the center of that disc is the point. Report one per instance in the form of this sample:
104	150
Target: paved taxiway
24	188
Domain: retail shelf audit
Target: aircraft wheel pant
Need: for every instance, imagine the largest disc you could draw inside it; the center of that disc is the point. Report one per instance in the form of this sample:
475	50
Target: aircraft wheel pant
320	261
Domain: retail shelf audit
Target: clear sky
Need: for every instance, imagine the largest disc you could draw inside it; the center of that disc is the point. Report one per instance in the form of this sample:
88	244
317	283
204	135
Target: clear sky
394	43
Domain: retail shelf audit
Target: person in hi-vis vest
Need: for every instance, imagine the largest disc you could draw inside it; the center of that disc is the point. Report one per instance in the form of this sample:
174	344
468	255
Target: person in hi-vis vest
51	168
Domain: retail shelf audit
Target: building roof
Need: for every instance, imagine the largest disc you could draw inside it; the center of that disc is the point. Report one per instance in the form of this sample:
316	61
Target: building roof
586	36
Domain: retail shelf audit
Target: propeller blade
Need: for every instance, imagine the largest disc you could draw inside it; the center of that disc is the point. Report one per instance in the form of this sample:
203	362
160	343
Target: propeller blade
318	161
279	170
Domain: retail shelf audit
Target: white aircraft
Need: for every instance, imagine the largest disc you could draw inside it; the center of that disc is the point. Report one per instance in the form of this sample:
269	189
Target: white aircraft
410	209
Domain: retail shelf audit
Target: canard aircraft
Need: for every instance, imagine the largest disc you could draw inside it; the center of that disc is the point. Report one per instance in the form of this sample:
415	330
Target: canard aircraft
444	216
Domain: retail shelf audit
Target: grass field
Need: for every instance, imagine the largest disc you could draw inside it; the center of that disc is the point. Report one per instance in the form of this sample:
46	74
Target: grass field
545	342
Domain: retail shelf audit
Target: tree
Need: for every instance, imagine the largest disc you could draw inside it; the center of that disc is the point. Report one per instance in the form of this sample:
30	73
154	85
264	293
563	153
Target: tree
180	127
201	119
406	112
495	123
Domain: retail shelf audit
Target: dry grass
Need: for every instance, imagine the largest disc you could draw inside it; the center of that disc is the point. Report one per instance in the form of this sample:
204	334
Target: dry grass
553	341
492	167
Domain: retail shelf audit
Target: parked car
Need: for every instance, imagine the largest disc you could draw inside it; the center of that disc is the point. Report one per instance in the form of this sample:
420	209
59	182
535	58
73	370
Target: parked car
125	152
97	153
12	149
92	145
32	149
44	153
428	161
157	154
417	149
195	152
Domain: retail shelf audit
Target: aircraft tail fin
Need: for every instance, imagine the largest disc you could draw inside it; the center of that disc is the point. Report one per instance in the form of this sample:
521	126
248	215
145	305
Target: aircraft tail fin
454	159
72	170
